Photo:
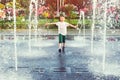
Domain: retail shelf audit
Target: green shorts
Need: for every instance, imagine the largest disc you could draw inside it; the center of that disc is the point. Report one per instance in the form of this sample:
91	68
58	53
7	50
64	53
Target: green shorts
61	38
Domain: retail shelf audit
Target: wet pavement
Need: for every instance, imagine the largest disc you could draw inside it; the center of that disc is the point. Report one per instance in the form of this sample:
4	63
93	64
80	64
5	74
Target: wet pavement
45	63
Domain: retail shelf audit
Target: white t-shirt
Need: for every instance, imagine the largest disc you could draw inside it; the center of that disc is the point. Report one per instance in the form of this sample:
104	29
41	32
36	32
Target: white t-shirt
62	27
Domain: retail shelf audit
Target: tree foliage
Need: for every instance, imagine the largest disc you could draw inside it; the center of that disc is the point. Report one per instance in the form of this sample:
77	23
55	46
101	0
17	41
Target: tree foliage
52	4
68	9
79	3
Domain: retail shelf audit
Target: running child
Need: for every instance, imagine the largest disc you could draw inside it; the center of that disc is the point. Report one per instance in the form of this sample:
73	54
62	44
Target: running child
62	31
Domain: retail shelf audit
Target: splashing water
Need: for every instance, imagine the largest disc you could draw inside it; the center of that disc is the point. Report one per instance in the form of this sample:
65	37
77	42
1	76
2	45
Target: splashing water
82	22
100	22
78	38
36	21
15	38
33	21
30	25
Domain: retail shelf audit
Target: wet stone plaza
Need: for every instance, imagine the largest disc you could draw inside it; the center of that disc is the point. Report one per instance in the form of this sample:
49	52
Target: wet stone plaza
29	39
43	62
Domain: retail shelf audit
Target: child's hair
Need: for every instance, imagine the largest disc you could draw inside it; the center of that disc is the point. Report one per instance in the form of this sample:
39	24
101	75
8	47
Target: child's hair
62	15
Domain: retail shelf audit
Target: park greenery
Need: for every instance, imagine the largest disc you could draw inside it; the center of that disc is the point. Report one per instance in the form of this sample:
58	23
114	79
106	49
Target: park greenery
41	23
46	13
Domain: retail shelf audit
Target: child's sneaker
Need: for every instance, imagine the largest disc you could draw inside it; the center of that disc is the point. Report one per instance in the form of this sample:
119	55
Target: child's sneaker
59	50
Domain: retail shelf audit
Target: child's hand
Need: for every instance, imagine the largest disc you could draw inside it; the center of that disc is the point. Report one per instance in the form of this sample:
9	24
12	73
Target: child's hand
78	28
75	27
46	24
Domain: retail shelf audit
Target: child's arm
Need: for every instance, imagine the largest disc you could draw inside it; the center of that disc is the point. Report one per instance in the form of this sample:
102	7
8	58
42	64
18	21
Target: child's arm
76	27
73	26
49	24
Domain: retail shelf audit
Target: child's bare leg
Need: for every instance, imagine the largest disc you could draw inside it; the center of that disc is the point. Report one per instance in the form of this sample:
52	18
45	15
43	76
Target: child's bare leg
63	45
60	45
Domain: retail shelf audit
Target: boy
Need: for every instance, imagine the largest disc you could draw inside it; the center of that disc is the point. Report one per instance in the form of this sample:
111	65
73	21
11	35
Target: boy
62	31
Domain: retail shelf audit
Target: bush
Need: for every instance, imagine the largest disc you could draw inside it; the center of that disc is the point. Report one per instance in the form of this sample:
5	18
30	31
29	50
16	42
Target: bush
41	22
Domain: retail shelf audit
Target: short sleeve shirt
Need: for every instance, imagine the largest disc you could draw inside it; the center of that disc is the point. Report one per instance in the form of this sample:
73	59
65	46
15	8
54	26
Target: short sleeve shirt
62	27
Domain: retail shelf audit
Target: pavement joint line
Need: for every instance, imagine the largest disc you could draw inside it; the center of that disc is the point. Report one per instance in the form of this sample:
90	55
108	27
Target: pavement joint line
61	69
20	67
81	70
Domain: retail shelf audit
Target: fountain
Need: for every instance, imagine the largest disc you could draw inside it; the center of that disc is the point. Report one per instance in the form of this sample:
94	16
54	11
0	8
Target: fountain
82	17
100	26
33	22
30	25
36	20
38	58
15	38
82	22
104	8
93	25
104	36
80	38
